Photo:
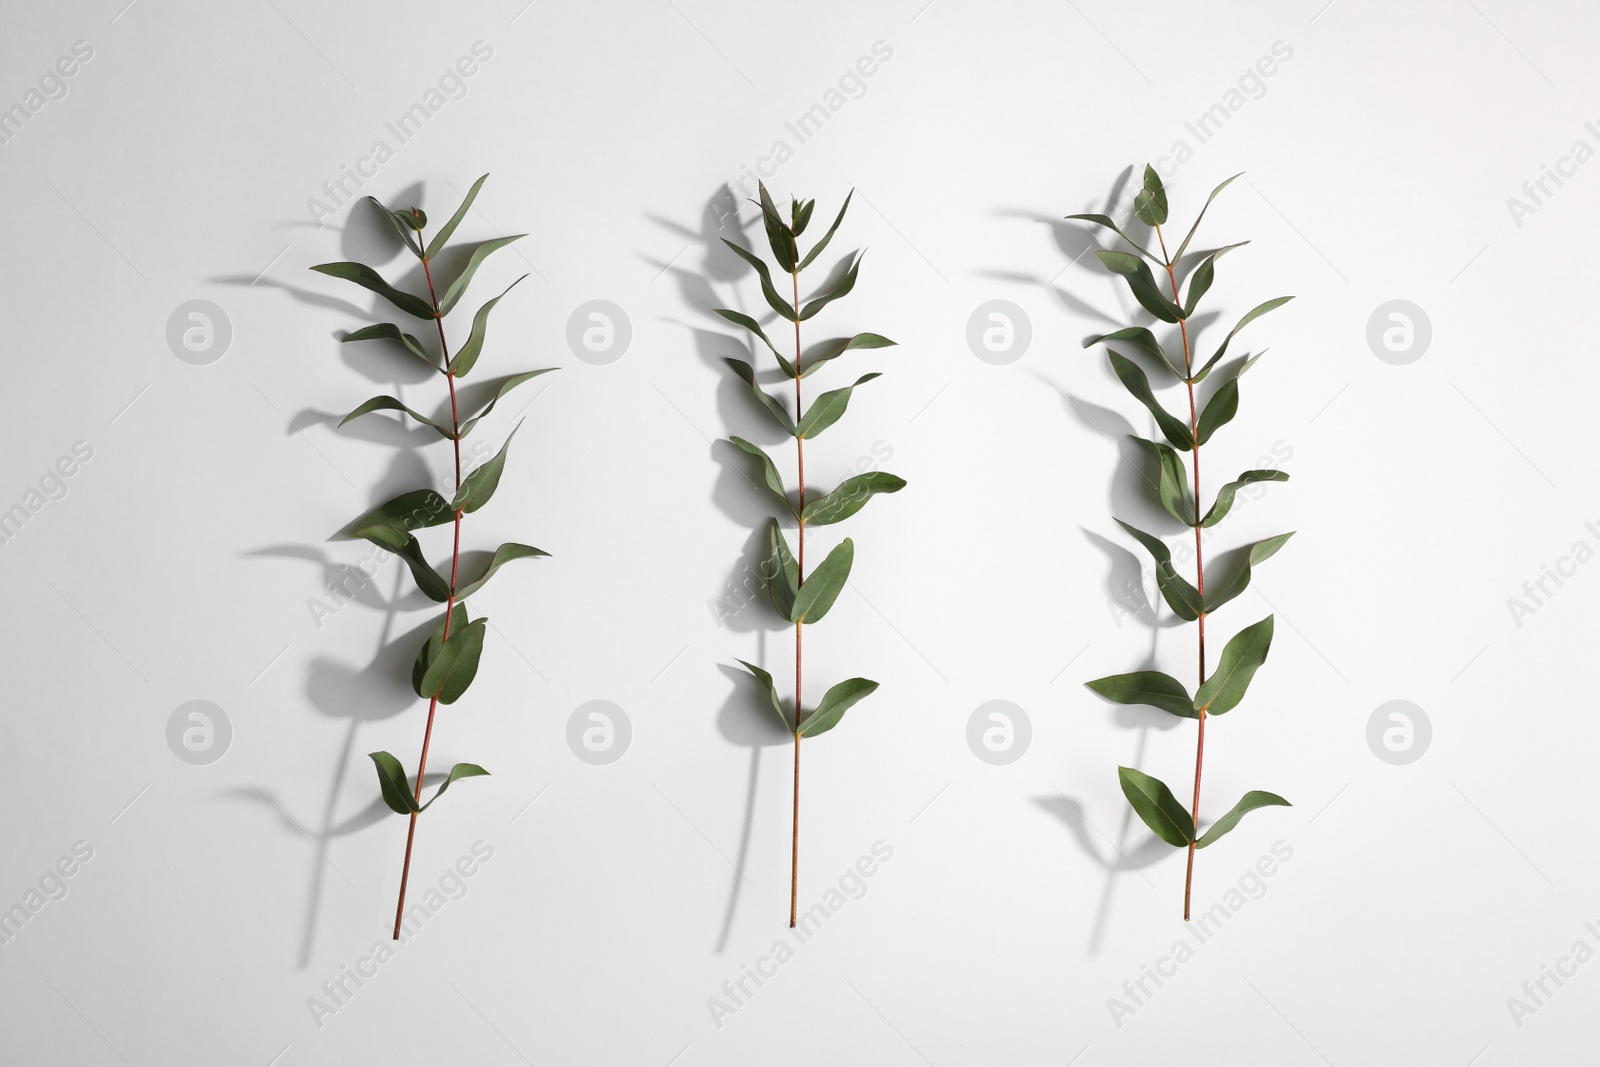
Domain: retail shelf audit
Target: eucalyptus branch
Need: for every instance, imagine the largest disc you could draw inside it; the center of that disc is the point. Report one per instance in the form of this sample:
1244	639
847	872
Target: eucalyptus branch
799	598
447	662
1247	650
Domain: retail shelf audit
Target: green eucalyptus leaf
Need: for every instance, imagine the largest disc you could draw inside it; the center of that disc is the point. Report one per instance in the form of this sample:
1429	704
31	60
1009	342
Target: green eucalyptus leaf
1142	339
779	237
404	545
1244	653
389	403
769	470
1105	220
1249	317
452	670
442	238
505	387
1154	688
392	781
1219	410
1256	798
768	401
1224	502
401	228
1151	202
739	318
414	218
839	346
1173	487
430	648
827	409
467	355
850	497
800	214
1157	806
458	288
772	693
370	279
841	288
782	574
479	486
1222	592
821	588
820	245
1133	379
1206	273
459	771
388	331
835	702
1182	248
504	554
1136	272
1181	597
774	301
416	510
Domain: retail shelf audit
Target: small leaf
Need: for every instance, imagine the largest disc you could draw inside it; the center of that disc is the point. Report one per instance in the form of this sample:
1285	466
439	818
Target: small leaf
822	587
430	648
850	497
392	781
467	355
839	346
1157	806
1206	273
1142	339
738	318
1241	657
1219	410
827	409
388	331
389	403
1151	202
458	288
459	771
368	278
1252	800
416	510
769	470
1173	487
835	702
505	387
841	288
1181	597
404	545
480	485
413	218
774	301
436	245
1185	245
1173	428
452	670
1105	220
502	555
1142	284
820	245
772	693
1224	502
1221	593
801	215
782	573
1249	317
401	230
1154	688
768	401
779	237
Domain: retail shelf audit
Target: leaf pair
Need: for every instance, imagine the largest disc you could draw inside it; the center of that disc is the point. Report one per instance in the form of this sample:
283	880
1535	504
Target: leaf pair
1241	658
835	702
1168	820
808	602
824	411
396	790
850	497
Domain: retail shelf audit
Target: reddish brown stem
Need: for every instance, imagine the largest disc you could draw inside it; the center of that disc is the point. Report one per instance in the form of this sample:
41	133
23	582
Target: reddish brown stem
450	603
800	570
1199	568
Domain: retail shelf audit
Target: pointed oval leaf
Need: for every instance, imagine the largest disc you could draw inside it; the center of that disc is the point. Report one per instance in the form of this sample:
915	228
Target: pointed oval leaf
840	289
1181	597
401	229
739	318
1206	273
829	350
782	572
1173	486
502	555
389	403
370	279
452	670
1156	805
505	387
404	545
1219	410
821	588
1256	798
1244	653
773	405
458	288
1182	248
835	702
820	245
441	238
479	486
459	771
1105	220
850	497
388	331
1142	339
1222	592
1136	272
467	355
769	470
430	648
1224	502
772	693
1154	688
392	781
1249	317
1151	202
827	409
774	301
1173	428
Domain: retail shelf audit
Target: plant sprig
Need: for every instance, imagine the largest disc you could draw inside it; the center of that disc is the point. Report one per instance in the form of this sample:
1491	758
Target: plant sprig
1247	650
447	662
798	597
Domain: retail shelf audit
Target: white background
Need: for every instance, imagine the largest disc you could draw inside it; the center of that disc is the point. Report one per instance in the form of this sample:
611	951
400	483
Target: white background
181	562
